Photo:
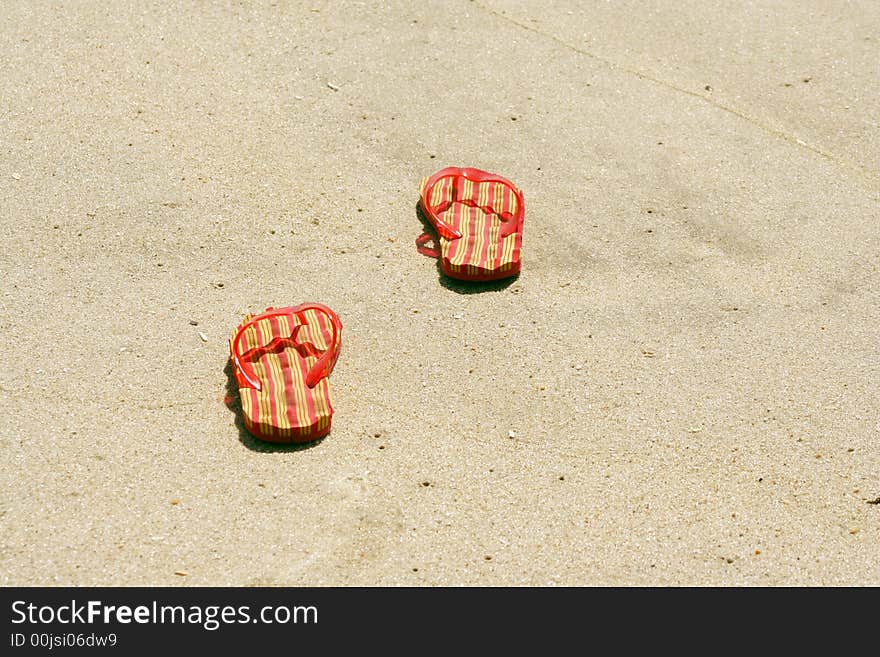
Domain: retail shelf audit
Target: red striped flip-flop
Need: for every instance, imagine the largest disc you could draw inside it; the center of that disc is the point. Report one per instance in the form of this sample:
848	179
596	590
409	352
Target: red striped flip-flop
479	219
281	359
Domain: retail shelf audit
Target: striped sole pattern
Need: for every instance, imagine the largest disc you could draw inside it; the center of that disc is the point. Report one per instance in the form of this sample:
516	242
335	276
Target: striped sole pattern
286	409
480	252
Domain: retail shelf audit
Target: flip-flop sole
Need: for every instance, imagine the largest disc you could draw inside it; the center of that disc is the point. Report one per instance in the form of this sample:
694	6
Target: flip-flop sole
482	253
285	409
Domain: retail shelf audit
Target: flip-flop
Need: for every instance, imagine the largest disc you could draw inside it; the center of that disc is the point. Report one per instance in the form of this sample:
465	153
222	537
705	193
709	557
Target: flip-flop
478	217
281	359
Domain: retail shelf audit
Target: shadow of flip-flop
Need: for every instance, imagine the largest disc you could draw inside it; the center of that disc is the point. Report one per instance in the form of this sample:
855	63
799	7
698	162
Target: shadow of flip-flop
453	284
245	437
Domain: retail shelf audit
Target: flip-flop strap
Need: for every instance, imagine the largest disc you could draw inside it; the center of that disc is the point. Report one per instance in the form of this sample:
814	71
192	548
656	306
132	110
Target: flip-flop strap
325	364
512	222
422	247
322	367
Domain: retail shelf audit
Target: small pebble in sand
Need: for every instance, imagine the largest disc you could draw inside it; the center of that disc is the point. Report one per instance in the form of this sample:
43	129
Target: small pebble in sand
193	322
203	336
15	176
457	316
175	502
511	434
333	86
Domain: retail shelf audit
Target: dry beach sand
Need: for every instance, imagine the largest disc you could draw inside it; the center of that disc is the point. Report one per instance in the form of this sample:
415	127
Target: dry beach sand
681	388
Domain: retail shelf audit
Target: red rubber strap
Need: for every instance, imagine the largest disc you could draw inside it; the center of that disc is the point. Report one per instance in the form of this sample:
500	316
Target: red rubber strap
325	364
422	247
511	222
322	367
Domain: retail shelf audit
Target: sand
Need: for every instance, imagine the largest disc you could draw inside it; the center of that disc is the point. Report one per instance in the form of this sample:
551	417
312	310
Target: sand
688	362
